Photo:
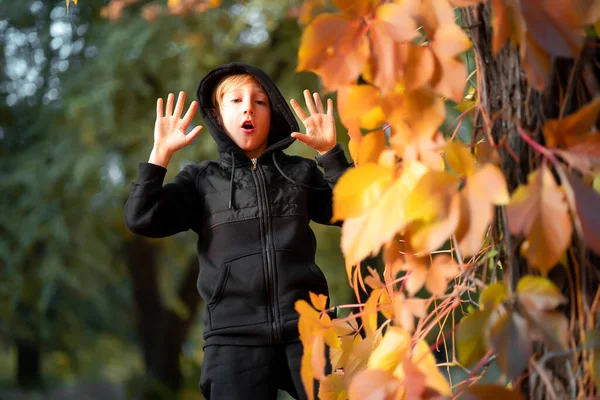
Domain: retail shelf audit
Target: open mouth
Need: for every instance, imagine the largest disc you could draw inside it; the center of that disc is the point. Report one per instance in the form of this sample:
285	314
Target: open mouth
248	126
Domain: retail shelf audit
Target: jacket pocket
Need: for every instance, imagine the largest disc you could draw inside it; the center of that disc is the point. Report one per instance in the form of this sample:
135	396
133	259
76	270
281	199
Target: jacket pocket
239	295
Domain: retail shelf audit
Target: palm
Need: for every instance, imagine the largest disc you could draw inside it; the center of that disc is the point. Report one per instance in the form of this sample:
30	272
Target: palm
170	128
320	126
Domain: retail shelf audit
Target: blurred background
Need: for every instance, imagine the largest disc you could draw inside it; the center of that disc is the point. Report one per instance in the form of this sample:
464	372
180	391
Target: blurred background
88	310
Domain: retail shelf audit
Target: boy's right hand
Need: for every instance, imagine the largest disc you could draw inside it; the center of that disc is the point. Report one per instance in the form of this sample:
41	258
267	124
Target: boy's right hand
170	129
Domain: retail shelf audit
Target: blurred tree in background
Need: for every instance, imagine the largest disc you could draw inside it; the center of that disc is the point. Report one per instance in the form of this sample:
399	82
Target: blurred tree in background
82	299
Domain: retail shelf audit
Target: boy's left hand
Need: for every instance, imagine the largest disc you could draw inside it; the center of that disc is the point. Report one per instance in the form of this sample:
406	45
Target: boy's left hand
320	126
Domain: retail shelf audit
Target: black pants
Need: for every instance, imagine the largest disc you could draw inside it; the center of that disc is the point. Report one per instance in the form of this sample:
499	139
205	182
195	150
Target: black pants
252	372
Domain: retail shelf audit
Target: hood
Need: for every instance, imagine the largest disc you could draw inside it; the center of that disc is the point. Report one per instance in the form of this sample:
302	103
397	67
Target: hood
283	122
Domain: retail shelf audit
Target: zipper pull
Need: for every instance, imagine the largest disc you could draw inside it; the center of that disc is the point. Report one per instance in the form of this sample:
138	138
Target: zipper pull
254	164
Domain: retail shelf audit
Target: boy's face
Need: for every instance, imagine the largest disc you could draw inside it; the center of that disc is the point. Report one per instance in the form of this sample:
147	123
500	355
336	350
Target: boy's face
246	117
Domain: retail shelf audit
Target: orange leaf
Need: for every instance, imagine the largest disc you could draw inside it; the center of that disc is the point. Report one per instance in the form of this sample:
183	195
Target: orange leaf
490	391
425	112
334	48
359	189
431	195
354	101
484	188
333	387
568	131
433	13
538	211
317	358
584	203
356	8
370	147
450	41
373	384
585	155
420	66
465	3
450	78
319	301
442	270
429	237
405	311
417	274
306	373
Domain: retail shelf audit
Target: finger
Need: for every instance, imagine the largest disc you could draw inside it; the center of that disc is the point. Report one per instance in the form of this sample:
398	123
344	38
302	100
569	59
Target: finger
309	103
187	118
169	110
192	135
302	137
159	108
298	110
179	105
329	107
318	102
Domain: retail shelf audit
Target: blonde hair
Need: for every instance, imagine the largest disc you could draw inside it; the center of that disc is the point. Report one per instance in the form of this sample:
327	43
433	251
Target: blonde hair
228	83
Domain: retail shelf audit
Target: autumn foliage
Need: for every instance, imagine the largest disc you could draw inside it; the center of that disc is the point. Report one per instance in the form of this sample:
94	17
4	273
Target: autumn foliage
427	202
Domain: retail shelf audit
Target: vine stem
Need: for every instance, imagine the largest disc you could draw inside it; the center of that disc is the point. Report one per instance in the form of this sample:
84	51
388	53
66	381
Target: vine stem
536	146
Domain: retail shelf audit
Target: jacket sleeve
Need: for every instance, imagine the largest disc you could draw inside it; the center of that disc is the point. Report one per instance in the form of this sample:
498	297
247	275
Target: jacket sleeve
334	164
156	210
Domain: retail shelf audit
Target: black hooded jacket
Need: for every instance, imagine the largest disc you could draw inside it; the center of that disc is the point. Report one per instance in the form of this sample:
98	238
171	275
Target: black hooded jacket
255	246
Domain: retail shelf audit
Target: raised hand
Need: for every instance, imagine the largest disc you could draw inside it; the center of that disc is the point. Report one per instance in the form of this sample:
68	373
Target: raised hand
170	129
320	126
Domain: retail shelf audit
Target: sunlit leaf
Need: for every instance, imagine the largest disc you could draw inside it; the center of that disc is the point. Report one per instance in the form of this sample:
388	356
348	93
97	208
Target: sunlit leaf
393	347
333	48
486	153
420	66
354	101
370	147
450	41
425	112
426	237
459	158
509	339
539	212
373	384
471	337
492	296
405	311
431	196
359	189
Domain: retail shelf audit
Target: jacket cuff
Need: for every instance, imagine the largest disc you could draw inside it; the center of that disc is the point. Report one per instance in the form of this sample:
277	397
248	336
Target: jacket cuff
334	160
150	172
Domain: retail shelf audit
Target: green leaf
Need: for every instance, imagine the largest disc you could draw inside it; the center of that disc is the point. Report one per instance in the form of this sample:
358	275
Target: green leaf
490	392
509	339
471	337
538	293
492	296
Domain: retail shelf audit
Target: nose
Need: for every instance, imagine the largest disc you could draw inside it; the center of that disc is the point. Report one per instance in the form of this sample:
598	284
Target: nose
248	108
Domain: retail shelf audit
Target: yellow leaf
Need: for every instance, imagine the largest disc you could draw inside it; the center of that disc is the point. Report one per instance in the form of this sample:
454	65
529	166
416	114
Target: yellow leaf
492	296
390	351
425	362
425	111
539	212
450	41
537	293
370	312
431	196
459	158
366	234
359	189
426	237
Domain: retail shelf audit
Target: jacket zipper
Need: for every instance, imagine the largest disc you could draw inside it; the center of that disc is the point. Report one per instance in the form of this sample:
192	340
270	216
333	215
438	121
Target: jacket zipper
270	272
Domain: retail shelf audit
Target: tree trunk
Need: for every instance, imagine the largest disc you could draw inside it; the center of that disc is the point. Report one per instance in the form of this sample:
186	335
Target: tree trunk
507	99
161	331
29	371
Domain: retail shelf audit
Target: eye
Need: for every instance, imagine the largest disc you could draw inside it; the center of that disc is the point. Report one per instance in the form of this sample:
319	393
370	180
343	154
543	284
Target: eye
261	102
235	100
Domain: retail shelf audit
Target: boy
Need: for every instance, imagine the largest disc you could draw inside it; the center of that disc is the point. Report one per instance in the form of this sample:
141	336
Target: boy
251	210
